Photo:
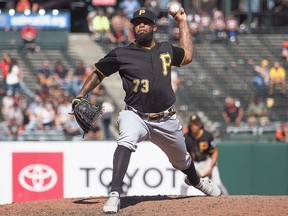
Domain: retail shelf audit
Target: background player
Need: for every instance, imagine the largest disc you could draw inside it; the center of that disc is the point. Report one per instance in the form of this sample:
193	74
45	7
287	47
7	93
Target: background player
145	69
204	151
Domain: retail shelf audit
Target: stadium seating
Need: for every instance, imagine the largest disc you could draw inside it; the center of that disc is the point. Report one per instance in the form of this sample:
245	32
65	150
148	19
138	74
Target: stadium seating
218	70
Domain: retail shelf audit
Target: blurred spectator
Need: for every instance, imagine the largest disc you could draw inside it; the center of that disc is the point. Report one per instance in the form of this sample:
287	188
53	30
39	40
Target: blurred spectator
78	76
257	113
63	111
80	69
261	79
12	78
25	117
118	33
98	94
60	72
46	117
70	127
90	16
22	5
174	33
68	83
14	121
232	112
277	76
128	26
152	5
15	80
101	25
72	83
195	27
232	26
45	80
4	67
44	72
205	21
7	102
281	134
88	70
108	109
176	81
218	25
163	5
29	35
129	6
94	134
32	113
55	96
284	51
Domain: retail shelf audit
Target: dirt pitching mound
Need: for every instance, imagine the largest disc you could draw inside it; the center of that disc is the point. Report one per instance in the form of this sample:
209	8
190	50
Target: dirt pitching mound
156	205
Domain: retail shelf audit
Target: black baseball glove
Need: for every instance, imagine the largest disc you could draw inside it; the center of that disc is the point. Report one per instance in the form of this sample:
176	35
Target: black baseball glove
86	114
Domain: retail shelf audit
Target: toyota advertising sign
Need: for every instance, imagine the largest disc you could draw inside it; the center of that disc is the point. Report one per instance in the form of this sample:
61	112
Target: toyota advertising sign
51	170
37	176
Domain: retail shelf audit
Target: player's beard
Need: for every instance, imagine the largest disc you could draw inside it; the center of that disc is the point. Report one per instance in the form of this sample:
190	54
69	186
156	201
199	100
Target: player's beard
144	39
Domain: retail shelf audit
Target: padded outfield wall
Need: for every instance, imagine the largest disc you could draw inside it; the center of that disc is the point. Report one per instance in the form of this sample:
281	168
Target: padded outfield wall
254	168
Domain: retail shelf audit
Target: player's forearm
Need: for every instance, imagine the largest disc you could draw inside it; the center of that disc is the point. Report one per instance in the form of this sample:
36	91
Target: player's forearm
90	83
185	41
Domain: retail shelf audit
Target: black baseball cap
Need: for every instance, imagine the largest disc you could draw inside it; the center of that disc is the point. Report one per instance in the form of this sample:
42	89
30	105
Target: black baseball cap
196	119
143	13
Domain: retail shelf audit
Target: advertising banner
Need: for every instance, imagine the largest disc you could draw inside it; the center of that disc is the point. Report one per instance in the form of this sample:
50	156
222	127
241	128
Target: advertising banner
37	176
48	170
46	21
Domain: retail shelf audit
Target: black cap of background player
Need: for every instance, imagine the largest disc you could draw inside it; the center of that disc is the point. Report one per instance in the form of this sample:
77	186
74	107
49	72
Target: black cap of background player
143	13
195	119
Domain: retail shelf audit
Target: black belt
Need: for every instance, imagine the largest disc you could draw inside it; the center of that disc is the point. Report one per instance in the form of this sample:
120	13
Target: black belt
153	116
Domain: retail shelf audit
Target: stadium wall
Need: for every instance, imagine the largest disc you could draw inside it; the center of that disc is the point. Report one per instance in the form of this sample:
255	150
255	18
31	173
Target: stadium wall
52	170
254	168
45	38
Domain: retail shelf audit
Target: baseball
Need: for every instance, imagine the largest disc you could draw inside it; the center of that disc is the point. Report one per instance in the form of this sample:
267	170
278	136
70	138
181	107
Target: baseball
174	8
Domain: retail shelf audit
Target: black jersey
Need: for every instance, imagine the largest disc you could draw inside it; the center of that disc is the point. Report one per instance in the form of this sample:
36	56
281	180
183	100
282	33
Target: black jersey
200	147
145	74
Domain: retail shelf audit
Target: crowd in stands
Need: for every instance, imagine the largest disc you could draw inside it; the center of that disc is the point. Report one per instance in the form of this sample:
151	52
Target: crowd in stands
269	81
255	114
267	78
48	107
113	25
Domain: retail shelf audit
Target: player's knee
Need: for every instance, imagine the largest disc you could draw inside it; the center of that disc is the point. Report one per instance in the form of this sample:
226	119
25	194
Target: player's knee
128	142
132	147
181	165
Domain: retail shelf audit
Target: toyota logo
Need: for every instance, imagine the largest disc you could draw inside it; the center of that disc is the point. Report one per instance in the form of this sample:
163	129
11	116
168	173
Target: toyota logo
37	177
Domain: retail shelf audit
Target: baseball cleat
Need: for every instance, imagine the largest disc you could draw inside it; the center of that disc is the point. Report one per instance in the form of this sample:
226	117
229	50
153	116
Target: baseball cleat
206	186
112	205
